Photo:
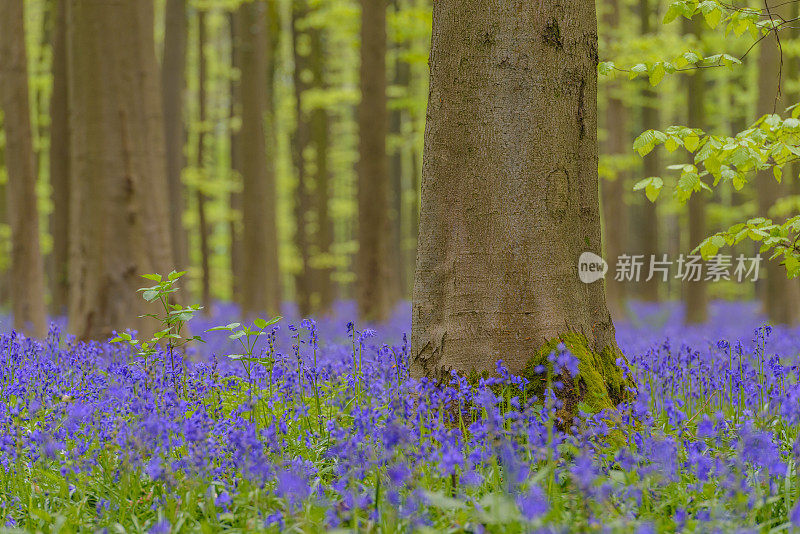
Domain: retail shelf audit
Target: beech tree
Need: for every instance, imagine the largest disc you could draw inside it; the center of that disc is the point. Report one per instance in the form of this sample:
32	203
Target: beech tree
27	267
260	286
374	290
510	195
781	294
695	291
615	212
119	226
173	85
59	165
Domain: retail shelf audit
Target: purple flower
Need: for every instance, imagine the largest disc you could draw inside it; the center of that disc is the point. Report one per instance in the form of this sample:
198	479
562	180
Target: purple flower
533	503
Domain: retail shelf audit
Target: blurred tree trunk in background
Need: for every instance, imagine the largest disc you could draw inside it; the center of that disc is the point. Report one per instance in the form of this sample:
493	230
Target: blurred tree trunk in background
27	267
648	224
323	235
782	296
119	226
401	80
261	282
374	289
613	190
300	143
5	252
695	292
235	197
59	165
510	196
203	232
173	85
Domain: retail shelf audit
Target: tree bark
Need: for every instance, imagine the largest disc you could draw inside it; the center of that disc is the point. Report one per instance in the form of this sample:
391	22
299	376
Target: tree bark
260	273
119	226
5	246
695	292
615	220
397	118
235	197
510	195
781	296
374	294
59	165
27	267
202	223
301	140
323	237
648	224
173	85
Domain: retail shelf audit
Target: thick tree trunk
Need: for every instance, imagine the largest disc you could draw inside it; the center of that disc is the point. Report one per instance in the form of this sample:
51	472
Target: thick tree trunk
615	220
260	274
59	165
300	143
648	225
510	194
695	292
323	237
202	223
27	267
374	293
173	84
782	296
119	227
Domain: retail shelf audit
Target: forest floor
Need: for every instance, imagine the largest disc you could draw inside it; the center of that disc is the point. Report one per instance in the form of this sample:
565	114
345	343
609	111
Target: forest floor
320	428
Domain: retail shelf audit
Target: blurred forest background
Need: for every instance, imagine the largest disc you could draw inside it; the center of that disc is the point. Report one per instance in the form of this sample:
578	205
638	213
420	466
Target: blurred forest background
319	200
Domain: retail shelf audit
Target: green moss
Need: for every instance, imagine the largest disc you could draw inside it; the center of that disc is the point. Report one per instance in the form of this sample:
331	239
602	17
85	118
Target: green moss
599	384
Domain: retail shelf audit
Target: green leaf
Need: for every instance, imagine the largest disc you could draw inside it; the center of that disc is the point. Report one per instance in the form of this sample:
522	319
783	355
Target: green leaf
174	275
645	143
153	277
652	187
657	74
260	323
604	68
150	295
671	144
778	173
713	18
672	13
691	142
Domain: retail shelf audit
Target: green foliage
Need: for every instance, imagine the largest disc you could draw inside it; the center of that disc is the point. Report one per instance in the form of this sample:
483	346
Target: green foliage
771	144
172	318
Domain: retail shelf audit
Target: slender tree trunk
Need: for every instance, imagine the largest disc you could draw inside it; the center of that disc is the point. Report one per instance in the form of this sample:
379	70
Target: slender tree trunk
27	267
300	143
402	78
374	293
235	198
119	226
59	165
695	292
510	196
5	249
201	141
323	237
260	273
648	225
613	191
782	296
173	85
